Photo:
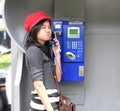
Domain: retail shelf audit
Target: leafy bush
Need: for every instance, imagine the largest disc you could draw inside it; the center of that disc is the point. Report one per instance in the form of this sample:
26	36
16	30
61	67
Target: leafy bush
5	61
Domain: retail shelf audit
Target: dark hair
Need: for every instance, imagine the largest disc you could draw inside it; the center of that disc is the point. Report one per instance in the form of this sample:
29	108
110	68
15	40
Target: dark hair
31	39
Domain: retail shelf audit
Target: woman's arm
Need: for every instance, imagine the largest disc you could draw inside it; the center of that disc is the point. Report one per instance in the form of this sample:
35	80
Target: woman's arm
57	50
58	67
40	88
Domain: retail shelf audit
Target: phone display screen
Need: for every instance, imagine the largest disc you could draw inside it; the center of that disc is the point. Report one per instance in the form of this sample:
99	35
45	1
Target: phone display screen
73	32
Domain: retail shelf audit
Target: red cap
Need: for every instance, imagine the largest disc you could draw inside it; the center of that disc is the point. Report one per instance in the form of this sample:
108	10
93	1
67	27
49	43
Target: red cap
34	18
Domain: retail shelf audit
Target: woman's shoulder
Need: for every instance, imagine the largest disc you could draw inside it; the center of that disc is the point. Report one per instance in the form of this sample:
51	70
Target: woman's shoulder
33	50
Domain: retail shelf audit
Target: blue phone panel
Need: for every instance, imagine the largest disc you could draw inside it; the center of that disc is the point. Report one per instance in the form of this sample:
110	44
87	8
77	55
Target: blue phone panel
73	45
71	38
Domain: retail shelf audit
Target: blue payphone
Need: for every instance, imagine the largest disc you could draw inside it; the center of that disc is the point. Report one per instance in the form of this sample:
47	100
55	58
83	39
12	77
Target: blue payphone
71	37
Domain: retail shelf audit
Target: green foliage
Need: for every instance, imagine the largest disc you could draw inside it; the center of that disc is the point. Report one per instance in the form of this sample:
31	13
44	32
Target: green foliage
5	61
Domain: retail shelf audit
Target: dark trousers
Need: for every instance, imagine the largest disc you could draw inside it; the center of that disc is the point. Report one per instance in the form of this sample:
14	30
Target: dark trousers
4	101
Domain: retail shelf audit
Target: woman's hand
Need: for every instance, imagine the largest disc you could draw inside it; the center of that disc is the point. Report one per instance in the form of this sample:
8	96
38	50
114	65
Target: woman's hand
56	48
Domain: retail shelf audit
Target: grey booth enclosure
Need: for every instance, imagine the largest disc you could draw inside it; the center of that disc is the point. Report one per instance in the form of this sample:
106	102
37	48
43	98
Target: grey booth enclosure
102	45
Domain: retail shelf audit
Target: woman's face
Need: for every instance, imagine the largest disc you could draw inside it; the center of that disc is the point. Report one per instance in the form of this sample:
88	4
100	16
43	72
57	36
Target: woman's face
44	33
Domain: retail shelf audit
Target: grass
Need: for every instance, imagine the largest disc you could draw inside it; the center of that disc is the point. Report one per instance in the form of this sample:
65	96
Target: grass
5	61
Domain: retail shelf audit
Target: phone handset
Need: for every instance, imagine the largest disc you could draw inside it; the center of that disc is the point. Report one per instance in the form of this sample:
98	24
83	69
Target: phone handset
52	41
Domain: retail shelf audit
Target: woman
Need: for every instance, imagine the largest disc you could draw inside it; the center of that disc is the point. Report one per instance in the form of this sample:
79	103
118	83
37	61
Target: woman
45	96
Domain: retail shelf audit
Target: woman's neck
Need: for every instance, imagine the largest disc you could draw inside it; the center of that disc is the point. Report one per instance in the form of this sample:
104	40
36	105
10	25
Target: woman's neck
41	42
